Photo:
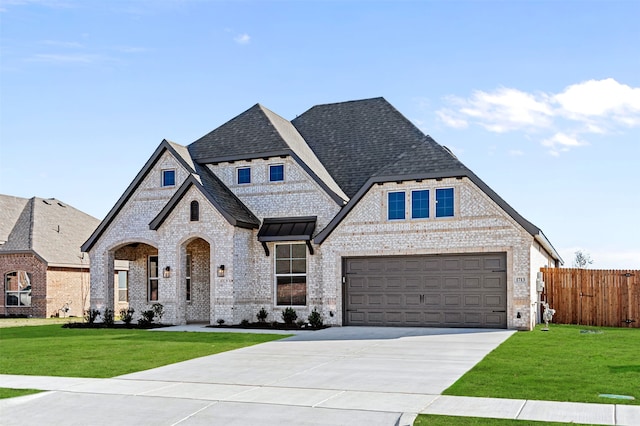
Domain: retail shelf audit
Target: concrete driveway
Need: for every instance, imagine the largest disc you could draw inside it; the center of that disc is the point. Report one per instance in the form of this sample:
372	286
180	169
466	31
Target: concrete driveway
341	375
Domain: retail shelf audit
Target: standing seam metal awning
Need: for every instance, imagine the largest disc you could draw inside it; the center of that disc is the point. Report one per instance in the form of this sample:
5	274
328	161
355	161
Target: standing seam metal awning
287	229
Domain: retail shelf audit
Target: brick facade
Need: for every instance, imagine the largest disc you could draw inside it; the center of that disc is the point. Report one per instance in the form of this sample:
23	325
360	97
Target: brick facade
52	288
479	225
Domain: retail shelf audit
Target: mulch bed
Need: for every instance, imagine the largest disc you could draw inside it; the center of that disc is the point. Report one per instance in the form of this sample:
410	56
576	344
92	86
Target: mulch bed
270	326
116	325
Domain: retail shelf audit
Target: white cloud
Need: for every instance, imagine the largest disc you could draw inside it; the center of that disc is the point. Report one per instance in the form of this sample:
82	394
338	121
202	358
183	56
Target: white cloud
591	107
242	39
448	118
66	44
516	153
561	142
67	59
600	98
502	110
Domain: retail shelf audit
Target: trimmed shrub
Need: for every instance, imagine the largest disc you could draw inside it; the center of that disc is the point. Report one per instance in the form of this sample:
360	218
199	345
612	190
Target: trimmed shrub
126	315
315	319
107	317
262	315
289	316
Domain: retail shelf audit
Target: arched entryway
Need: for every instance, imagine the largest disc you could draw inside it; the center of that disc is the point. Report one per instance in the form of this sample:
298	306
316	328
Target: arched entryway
197	280
136	277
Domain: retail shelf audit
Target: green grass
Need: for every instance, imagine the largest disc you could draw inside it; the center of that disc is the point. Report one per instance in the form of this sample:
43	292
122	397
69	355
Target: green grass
76	352
11	393
562	364
433	420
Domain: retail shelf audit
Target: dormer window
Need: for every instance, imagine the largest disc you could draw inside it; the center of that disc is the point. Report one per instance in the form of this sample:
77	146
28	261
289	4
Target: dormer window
244	175
168	177
276	173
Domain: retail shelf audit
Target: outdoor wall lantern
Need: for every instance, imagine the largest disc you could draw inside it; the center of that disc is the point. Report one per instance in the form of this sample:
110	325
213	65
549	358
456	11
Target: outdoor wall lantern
221	271
166	272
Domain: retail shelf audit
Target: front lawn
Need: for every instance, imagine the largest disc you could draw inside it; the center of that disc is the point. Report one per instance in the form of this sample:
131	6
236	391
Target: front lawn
55	351
567	363
434	420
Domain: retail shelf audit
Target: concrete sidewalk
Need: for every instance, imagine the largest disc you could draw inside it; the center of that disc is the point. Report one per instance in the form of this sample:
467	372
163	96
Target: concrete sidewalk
109	401
341	375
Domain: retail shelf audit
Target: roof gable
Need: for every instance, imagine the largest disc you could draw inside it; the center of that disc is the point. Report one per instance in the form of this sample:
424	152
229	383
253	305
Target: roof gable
231	208
248	135
261	133
165	145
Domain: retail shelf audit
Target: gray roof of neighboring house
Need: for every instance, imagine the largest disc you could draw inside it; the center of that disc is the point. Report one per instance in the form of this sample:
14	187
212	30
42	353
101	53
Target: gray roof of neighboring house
51	229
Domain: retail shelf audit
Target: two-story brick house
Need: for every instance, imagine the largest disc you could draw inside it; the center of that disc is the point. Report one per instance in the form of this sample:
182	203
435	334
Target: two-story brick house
349	208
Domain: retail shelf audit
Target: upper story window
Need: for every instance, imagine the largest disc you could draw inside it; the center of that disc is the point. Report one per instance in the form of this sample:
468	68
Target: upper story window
420	204
244	175
444	202
194	215
396	205
276	173
168	177
17	288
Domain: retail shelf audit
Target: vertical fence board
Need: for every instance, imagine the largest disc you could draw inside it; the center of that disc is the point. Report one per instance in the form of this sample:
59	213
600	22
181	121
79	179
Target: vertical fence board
605	298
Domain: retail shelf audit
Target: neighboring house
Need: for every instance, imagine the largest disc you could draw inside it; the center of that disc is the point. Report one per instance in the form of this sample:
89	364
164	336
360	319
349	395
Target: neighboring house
43	270
349	209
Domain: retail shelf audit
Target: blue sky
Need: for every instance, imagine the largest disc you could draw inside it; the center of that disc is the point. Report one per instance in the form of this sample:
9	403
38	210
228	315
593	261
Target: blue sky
540	99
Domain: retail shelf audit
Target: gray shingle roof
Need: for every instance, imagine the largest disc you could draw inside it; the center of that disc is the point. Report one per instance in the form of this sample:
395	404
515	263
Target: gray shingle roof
357	140
259	132
226	199
250	133
48	227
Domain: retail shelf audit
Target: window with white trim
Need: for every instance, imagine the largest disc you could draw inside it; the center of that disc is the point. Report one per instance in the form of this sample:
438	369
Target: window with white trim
276	173
244	175
17	286
169	177
123	286
291	274
444	202
396	205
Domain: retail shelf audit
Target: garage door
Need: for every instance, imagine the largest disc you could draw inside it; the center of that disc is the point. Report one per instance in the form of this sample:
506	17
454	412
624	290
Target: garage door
466	290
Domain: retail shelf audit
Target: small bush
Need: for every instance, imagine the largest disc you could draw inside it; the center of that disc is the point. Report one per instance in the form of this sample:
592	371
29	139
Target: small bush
262	315
126	315
107	317
300	323
147	318
91	315
289	316
220	321
244	323
158	310
315	319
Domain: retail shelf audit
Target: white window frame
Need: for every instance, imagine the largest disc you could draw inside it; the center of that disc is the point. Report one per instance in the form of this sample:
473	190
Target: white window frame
162	181
238	176
283	173
121	288
435	203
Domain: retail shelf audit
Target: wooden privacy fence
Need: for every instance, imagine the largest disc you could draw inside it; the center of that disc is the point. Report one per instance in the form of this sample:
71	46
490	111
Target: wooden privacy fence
606	298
